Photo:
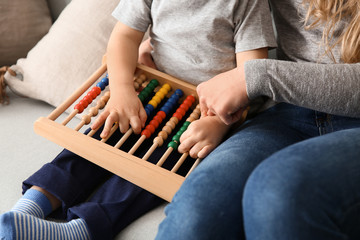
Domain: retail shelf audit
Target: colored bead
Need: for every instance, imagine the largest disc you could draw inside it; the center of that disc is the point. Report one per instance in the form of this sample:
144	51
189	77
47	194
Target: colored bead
173	145
88	99
176	138
96	90
162	114
186	123
154	81
146	132
105	80
148	112
181	111
151	128
178	115
153	103
79	107
149	107
157	99
158	118
166	86
166	109
83	103
141	97
179	92
154	123
164	91
183	128
191	98
160	94
101	85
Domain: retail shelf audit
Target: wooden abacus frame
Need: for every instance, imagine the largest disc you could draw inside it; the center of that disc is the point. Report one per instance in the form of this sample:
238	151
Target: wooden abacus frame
149	176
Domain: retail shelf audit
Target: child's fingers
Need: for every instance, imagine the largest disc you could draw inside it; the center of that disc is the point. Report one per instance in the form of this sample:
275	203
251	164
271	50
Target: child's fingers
143	117
205	151
186	143
135	124
123	124
100	120
110	120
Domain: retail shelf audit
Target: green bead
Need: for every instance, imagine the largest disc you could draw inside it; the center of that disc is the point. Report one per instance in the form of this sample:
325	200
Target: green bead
141	97
173	145
187	123
154	81
183	128
176	138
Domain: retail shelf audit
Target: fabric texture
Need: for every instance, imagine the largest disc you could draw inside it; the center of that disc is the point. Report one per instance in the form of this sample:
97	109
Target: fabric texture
196	40
23	24
67	55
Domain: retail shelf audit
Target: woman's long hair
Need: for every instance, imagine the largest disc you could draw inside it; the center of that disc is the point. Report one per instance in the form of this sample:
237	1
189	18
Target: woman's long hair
328	13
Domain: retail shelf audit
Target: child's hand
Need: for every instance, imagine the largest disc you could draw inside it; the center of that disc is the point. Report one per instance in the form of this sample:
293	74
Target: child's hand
203	136
125	108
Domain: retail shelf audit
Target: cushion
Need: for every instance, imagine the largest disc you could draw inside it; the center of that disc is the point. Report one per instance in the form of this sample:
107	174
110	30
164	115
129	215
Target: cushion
68	54
23	24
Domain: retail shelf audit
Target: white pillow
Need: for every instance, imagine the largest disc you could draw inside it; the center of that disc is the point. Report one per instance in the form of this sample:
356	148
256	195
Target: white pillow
68	54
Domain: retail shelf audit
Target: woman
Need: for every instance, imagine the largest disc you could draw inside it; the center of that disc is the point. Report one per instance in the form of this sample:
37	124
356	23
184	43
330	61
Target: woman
293	170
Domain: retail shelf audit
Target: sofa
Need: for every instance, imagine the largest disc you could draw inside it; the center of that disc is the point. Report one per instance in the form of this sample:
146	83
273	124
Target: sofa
22	152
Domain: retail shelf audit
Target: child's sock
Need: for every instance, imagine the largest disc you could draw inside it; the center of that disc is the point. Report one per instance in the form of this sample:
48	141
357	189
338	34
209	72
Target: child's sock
19	226
33	202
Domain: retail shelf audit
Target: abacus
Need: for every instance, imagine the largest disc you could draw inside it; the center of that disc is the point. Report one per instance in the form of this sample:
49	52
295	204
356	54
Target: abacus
177	104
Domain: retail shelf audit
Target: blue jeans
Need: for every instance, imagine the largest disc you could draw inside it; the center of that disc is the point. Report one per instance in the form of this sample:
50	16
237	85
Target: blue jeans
288	173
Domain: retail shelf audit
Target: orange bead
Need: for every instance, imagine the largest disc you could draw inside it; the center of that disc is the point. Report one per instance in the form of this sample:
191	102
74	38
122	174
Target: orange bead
178	115
151	128
162	114
154	123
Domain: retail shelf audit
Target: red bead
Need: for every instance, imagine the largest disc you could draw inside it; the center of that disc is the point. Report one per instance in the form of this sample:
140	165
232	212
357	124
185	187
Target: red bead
146	133
181	111
92	94
184	106
151	128
84	103
88	99
191	98
188	102
162	114
177	115
158	119
97	90
154	123
79	107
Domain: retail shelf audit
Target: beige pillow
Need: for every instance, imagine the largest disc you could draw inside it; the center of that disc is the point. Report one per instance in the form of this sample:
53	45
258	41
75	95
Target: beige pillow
68	54
23	24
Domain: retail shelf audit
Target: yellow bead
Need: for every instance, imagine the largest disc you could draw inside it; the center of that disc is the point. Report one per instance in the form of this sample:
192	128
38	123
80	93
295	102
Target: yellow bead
153	103
163	91
160	95
167	87
157	99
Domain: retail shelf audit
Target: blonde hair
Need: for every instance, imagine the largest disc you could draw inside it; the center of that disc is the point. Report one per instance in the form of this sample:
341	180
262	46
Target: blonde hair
328	13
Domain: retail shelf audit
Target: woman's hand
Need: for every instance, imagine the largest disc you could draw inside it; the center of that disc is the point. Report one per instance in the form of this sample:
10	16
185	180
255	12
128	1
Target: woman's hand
125	108
203	136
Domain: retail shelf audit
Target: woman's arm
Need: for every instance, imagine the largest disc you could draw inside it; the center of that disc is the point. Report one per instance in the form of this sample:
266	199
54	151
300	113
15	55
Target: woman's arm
330	88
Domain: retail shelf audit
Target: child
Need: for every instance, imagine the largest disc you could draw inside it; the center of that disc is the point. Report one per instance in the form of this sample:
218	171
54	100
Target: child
194	41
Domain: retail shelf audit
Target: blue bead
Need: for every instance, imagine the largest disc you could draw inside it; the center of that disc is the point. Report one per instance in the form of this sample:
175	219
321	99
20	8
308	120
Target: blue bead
105	80
150	107
166	109
179	92
148	112
101	85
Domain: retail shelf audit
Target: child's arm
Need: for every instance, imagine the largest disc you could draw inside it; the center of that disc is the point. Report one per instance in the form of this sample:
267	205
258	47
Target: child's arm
205	134
211	93
123	106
